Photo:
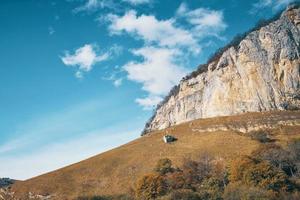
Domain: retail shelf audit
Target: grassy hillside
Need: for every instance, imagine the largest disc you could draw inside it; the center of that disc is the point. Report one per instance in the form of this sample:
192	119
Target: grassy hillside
115	171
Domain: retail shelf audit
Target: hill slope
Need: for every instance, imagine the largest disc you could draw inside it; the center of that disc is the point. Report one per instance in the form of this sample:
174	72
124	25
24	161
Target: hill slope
261	73
115	171
257	73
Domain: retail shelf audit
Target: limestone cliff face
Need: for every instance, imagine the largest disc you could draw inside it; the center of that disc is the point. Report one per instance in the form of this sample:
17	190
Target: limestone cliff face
261	73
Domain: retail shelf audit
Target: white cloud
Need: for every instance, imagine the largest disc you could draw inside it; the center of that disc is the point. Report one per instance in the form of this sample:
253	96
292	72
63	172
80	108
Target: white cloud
167	33
153	31
205	22
204	18
167	43
84	58
138	2
157	72
149	103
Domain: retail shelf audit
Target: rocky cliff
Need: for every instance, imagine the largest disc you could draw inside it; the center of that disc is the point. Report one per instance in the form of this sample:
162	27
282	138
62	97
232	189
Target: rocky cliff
260	73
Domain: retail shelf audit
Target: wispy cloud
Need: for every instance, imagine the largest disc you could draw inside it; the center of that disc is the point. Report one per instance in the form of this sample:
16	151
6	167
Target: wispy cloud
94	5
115	5
273	4
138	2
54	125
118	82
115	76
278	4
58	138
64	153
51	30
13	145
149	102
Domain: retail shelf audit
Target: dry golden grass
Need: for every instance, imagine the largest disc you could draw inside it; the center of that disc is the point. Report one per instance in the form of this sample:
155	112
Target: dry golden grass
115	171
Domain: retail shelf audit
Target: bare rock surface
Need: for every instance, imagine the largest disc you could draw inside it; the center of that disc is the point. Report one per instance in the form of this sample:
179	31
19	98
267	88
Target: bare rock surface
260	74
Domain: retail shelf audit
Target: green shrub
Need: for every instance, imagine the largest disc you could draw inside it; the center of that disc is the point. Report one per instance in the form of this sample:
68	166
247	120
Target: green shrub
194	171
261	136
163	166
211	189
257	173
177	180
277	157
150	186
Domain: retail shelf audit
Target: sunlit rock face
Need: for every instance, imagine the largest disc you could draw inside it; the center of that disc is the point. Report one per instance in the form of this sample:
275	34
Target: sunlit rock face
261	73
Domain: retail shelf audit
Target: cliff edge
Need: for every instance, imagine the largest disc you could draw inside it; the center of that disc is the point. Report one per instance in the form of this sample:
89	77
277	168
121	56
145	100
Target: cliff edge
259	73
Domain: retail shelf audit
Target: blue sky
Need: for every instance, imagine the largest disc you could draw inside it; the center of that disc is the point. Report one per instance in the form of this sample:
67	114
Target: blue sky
78	77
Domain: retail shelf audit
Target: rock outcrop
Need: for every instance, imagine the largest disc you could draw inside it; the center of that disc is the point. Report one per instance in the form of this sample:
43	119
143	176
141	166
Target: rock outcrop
260	73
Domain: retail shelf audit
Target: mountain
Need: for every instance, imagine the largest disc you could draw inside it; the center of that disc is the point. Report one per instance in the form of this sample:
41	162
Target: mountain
116	171
257	72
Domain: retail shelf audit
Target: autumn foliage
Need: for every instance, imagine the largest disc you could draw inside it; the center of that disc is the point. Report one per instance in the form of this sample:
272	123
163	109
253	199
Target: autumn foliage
257	173
270	172
150	187
163	166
